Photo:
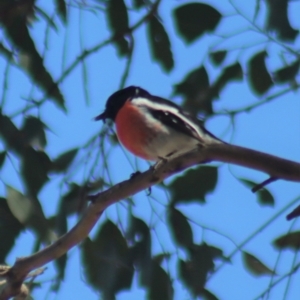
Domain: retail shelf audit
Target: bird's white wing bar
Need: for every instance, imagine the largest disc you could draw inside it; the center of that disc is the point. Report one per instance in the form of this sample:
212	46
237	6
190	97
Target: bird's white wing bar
173	111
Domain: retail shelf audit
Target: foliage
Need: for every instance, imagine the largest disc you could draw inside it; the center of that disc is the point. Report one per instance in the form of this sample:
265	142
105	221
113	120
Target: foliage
39	167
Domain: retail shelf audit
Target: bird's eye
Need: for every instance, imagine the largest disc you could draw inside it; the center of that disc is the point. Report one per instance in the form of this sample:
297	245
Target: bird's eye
166	113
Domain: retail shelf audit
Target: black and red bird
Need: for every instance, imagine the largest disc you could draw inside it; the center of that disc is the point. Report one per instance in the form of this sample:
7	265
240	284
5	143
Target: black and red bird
152	127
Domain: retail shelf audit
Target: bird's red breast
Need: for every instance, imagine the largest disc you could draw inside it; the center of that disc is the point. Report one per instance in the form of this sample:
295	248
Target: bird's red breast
132	130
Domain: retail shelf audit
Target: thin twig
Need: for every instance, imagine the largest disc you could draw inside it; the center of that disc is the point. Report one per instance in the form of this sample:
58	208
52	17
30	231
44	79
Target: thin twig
256	104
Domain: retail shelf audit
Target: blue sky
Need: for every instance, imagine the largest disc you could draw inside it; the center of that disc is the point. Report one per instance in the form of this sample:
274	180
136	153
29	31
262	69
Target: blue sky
232	209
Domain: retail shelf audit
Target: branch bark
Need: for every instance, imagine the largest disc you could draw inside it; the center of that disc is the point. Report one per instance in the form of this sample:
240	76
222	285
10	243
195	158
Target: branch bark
211	151
270	164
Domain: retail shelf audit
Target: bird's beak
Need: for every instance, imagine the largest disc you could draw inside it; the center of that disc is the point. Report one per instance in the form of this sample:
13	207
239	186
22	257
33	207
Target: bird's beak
101	117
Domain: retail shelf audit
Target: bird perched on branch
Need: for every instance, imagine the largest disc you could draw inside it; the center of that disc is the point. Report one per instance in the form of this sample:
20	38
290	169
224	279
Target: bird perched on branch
156	129
151	127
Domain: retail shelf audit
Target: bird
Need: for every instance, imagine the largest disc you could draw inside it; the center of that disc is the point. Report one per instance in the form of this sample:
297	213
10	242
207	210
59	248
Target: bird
152	127
156	129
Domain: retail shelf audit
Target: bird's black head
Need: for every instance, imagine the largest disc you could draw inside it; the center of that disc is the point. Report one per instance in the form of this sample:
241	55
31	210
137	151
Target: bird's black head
117	100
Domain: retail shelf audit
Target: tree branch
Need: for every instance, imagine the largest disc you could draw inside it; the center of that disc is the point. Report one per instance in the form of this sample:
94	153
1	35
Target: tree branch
256	103
210	151
274	166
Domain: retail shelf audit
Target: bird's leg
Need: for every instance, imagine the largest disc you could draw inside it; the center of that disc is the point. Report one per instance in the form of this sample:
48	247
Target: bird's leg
161	161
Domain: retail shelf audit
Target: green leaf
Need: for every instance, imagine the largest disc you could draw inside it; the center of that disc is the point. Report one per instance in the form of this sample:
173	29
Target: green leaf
194	184
215	252
114	256
118	17
159	258
180	228
60	264
122	46
33	132
139	3
2	158
16	10
140	238
287	73
107	263
68	205
207	295
278	20
90	262
288	241
29	213
264	197
139	232
63	161
161	284
10	228
14	21
195	81
160	44
61	8
33	64
259	77
34	169
232	72
218	57
71	200
31	61
118	21
8	55
60	225
255	266
194	19
10	134
194	271
20	206
74	200
194	88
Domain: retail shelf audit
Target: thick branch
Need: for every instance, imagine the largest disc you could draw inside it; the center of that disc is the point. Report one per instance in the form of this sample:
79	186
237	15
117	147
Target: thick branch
270	164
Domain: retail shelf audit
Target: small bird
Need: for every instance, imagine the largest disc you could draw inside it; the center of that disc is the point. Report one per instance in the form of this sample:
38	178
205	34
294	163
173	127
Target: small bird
155	129
151	127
